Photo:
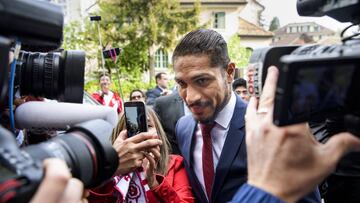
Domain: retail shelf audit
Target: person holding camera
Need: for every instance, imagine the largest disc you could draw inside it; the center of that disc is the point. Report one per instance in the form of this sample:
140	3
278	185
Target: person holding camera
146	173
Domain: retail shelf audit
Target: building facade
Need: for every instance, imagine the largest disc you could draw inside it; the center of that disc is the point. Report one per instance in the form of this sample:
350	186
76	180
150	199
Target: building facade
303	33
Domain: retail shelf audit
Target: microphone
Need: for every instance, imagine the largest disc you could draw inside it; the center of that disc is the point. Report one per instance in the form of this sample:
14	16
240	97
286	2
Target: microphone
37	115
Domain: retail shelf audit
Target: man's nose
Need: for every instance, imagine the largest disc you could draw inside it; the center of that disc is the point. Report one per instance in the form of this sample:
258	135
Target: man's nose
192	94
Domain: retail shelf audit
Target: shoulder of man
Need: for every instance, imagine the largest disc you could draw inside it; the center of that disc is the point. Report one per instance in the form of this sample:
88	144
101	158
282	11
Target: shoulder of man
183	124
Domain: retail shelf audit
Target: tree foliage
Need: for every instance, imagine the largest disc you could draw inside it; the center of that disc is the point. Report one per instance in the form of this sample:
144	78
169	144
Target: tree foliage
139	28
274	24
237	53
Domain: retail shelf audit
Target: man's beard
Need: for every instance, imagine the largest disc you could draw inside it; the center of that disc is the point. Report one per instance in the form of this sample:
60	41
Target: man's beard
204	104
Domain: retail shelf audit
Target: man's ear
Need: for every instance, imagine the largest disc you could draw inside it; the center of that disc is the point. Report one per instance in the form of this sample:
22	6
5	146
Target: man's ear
230	72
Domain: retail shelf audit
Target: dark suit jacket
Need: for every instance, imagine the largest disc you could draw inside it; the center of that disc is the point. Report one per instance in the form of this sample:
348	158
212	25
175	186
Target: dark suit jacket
152	94
170	109
231	171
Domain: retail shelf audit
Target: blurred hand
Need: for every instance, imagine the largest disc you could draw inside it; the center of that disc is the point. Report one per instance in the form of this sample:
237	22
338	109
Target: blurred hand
287	162
151	161
58	186
131	150
166	92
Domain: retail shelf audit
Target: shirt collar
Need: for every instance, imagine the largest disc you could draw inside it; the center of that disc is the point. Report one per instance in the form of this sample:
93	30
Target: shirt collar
225	115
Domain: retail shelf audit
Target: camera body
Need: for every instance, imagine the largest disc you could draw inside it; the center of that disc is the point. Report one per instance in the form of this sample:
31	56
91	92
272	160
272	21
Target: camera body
85	148
316	82
56	74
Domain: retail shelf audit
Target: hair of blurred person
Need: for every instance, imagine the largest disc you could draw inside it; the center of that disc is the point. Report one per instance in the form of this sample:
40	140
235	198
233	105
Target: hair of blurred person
162	80
105	96
105	82
161	88
152	120
240	87
137	95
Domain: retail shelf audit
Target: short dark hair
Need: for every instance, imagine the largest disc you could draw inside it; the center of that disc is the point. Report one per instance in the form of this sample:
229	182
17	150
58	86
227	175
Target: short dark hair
204	41
159	75
137	90
239	82
104	74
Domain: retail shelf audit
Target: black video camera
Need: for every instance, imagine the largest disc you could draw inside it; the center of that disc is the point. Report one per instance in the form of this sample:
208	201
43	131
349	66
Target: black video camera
85	148
37	26
54	75
316	82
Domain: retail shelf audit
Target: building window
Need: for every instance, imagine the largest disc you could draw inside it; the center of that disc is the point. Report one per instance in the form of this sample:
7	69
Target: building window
288	30
161	59
219	20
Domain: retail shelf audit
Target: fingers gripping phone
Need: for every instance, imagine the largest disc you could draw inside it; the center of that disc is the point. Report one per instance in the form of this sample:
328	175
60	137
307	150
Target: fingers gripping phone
135	116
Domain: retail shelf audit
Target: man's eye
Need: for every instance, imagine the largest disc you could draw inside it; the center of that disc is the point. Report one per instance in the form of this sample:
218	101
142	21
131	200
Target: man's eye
181	83
202	81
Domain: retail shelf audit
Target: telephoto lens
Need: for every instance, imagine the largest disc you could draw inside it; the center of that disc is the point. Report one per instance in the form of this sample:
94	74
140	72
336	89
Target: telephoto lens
87	150
54	75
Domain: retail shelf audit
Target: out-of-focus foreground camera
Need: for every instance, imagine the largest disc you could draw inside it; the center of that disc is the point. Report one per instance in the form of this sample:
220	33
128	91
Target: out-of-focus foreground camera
85	148
50	74
54	75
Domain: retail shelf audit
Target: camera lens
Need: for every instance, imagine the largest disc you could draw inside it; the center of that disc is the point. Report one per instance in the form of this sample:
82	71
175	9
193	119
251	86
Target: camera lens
55	75
87	150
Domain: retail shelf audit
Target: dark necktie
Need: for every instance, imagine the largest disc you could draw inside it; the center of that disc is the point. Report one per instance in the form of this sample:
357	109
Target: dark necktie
207	157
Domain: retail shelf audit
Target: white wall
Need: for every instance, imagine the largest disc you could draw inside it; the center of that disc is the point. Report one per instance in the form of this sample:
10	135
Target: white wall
231	19
251	12
255	42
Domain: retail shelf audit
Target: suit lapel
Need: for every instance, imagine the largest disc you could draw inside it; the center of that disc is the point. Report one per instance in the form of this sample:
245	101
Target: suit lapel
234	139
187	154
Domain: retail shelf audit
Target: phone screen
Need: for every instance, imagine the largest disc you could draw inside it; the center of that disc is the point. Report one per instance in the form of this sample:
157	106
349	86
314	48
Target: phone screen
135	115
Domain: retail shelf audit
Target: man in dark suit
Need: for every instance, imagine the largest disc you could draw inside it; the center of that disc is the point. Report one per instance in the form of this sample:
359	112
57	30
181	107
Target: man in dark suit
211	140
169	109
160	89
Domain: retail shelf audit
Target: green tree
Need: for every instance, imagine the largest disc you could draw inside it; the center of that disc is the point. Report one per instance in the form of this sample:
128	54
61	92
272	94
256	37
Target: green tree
142	27
237	53
274	24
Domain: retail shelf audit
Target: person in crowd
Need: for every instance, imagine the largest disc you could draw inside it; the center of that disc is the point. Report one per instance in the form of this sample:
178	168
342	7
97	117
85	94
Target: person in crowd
170	109
147	173
137	95
161	88
212	138
105	96
239	86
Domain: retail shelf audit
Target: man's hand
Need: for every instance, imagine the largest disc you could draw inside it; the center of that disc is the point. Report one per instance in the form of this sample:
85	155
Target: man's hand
131	150
288	162
58	186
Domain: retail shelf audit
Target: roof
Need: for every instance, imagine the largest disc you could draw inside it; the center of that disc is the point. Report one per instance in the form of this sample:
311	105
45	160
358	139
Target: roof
247	29
293	40
217	2
323	30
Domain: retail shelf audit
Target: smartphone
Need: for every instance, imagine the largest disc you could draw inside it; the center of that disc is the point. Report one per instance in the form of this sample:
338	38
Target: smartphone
135	117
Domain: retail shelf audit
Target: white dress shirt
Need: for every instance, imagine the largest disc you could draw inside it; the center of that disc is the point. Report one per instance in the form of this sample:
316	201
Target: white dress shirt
218	137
